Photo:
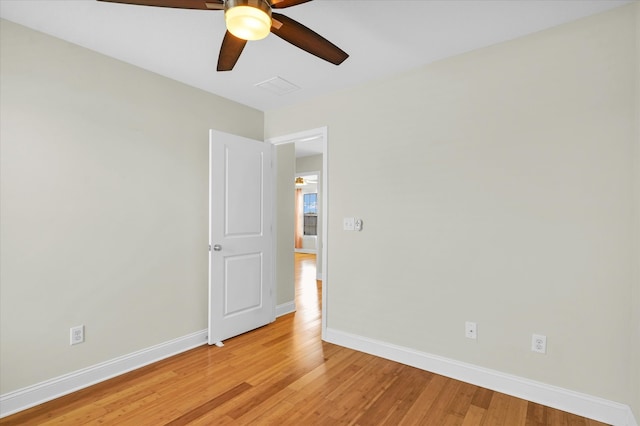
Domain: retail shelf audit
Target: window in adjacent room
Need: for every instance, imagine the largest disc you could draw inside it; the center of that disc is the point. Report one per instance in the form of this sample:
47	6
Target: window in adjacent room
310	211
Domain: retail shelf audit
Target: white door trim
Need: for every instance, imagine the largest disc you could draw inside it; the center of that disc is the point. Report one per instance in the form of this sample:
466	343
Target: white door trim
307	135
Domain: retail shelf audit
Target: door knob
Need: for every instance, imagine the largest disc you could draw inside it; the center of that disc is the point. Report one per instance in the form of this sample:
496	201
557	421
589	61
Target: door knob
217	247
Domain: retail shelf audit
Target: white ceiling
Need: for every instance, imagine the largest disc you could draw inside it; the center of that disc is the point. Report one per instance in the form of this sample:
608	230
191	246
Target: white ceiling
382	38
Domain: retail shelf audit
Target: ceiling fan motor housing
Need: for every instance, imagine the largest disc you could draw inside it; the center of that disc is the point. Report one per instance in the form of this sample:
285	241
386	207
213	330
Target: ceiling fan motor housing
248	19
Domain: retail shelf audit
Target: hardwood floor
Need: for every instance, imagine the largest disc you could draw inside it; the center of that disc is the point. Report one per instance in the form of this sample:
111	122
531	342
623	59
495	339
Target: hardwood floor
284	374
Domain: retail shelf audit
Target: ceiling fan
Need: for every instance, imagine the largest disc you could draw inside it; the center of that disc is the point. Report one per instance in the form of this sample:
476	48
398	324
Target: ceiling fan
304	180
253	20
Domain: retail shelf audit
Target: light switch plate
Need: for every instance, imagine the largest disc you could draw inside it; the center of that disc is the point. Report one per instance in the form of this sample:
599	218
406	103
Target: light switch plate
349	223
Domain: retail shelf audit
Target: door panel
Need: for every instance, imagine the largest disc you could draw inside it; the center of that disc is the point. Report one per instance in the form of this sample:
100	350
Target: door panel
243	212
240	262
242	284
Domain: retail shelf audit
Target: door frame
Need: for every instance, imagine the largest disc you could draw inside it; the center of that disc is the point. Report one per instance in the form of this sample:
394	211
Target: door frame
298	137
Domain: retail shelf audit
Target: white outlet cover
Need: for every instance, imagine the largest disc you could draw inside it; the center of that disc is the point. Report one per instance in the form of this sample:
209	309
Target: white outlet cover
470	330
539	343
76	335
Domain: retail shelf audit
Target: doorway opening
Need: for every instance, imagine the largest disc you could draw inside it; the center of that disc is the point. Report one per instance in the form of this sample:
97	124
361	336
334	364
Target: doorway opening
307	212
311	160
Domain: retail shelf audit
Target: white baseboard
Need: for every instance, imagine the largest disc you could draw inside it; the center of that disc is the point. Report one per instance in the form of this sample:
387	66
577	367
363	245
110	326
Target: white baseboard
285	308
306	251
31	396
563	399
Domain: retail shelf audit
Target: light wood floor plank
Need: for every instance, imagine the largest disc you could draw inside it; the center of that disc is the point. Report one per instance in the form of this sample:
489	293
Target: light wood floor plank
474	416
497	411
439	409
424	401
516	412
461	403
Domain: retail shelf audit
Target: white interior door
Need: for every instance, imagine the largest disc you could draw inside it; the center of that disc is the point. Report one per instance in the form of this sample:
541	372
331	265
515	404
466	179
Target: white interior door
240	236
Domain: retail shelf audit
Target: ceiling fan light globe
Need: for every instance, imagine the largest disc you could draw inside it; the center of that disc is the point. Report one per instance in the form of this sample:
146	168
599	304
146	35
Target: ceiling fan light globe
248	20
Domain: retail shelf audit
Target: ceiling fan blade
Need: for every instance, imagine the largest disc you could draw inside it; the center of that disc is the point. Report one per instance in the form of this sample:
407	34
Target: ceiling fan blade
306	39
179	4
281	4
230	51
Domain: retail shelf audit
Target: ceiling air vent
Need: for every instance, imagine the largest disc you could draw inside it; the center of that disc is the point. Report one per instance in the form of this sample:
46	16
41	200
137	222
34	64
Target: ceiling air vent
278	86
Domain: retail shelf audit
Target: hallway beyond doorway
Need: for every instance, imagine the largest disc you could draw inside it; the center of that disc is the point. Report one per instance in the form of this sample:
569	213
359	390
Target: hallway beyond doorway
308	289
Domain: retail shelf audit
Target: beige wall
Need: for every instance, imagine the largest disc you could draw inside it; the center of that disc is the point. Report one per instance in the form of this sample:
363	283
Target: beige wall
311	163
286	161
500	186
104	186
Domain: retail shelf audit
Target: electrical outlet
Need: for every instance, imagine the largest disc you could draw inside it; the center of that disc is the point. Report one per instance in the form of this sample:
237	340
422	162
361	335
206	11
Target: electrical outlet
470	330
539	343
77	335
